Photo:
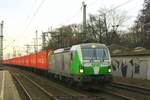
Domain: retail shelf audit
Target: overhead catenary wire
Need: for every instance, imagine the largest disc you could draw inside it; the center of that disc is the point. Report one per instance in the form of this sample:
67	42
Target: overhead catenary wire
78	11
92	3
118	6
74	15
34	14
122	4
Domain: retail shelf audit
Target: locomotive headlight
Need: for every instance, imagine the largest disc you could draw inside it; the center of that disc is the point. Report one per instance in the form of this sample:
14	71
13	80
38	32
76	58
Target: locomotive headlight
81	70
93	46
109	70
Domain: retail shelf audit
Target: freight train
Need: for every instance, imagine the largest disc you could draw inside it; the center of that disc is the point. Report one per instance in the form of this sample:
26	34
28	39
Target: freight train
82	63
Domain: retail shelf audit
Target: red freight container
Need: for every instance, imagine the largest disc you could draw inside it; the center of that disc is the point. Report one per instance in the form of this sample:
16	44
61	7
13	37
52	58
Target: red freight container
38	60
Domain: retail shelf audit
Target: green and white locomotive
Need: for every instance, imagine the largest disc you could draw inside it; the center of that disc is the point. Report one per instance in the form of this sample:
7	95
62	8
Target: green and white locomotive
83	63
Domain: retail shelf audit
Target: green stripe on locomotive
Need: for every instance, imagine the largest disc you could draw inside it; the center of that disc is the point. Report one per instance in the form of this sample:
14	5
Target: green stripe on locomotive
75	63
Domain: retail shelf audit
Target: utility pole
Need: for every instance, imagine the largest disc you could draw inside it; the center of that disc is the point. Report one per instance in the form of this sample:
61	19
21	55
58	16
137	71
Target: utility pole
84	20
36	41
84	17
8	55
1	42
106	29
36	44
44	39
28	48
14	52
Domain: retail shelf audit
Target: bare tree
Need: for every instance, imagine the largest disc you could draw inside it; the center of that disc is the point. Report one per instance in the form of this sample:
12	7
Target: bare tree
103	26
141	30
65	36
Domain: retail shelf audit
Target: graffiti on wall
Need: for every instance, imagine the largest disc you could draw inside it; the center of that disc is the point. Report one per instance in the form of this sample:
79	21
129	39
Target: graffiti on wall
128	67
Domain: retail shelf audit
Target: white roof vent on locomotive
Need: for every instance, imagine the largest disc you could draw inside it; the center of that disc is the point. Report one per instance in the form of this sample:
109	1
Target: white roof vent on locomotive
61	50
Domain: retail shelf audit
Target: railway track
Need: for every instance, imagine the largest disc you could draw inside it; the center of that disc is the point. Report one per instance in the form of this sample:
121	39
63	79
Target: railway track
27	95
87	95
74	93
59	92
139	89
118	95
32	90
68	93
131	91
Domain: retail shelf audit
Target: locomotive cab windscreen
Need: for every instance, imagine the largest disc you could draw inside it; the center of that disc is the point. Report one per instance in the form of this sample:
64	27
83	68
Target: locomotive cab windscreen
92	54
95	54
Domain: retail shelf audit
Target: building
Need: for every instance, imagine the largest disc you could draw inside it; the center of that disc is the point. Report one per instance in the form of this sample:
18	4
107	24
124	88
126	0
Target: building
132	63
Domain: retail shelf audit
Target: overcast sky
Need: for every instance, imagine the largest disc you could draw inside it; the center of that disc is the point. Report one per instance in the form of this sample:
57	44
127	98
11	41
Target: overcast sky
23	17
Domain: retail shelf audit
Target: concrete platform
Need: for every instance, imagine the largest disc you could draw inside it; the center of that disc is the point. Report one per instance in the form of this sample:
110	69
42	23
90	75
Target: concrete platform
8	91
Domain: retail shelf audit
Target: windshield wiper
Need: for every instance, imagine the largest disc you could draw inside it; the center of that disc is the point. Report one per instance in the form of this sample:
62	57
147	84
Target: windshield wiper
91	60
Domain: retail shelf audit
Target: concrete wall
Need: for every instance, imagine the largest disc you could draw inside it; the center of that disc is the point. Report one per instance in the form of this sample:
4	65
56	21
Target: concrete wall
131	66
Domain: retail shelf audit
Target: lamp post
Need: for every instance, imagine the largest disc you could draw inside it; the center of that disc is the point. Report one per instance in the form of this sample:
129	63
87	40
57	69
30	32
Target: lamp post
115	27
1	42
114	34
